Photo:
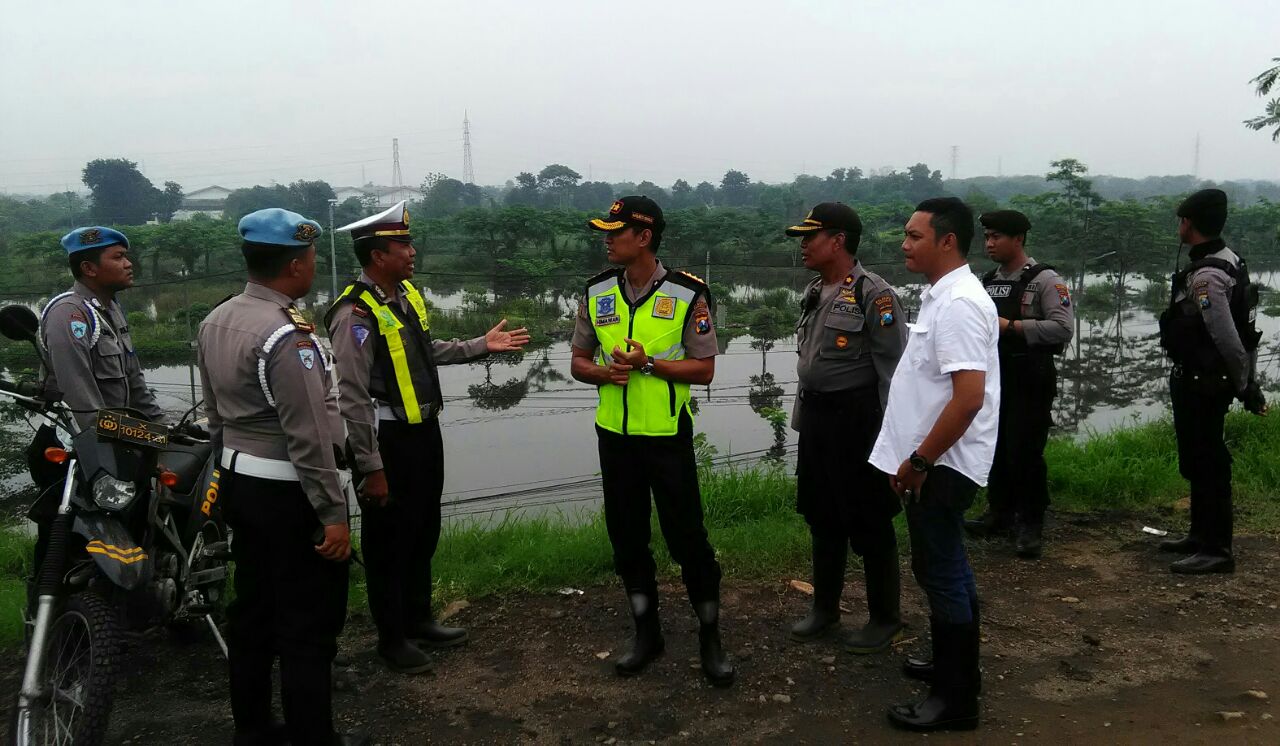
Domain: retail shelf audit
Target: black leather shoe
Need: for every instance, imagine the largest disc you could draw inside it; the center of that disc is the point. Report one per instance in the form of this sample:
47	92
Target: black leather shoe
1185	545
989	525
432	634
1204	564
402	657
648	645
1030	543
715	664
936	713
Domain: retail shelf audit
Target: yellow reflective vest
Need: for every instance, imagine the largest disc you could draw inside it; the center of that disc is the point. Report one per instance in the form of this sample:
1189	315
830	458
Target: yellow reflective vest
404	352
647	405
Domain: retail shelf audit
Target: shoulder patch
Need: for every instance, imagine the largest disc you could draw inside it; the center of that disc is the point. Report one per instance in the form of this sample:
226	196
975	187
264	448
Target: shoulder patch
1064	295
884	309
360	333
307	353
701	317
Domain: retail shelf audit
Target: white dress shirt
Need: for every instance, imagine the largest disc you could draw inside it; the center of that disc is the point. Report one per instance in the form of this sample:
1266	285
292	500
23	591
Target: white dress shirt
957	329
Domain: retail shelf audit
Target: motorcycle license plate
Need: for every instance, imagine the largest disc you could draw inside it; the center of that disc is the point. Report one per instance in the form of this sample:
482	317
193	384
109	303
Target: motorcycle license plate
122	427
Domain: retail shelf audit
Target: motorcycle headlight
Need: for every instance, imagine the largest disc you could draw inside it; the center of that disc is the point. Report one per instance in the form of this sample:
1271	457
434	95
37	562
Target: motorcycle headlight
110	493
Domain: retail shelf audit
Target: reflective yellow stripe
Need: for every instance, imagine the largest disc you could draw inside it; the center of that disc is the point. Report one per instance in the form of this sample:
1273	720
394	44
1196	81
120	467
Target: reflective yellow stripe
389	327
123	556
419	305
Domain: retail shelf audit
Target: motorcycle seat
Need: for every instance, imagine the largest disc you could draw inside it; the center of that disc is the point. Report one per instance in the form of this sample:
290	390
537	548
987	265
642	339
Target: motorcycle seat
187	461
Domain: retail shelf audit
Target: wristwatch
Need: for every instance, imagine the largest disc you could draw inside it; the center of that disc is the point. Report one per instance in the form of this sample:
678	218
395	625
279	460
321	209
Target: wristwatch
647	368
919	463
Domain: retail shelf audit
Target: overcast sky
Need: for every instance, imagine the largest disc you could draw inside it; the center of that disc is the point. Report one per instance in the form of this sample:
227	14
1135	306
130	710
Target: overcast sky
237	93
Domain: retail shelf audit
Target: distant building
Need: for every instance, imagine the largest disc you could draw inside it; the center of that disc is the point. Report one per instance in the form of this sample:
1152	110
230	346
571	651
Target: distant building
207	201
386	196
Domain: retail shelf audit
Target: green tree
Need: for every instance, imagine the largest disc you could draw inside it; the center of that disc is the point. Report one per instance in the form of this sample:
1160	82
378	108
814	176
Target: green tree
735	188
170	200
705	192
556	182
681	195
1270	117
121	194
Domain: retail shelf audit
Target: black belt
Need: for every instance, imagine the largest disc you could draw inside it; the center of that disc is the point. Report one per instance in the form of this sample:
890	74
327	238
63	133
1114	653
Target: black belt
818	397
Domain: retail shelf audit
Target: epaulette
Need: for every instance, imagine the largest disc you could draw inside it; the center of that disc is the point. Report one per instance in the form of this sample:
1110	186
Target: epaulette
693	277
299	321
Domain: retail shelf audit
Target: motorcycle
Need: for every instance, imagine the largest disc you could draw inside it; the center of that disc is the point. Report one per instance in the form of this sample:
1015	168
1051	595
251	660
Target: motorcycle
130	538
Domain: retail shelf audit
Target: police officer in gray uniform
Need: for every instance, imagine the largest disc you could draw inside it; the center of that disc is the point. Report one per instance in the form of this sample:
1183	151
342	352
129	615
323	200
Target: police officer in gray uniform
850	336
92	362
1036	323
1209	333
268	393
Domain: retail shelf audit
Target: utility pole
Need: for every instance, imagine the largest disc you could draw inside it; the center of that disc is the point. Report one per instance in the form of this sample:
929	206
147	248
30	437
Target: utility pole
468	168
333	255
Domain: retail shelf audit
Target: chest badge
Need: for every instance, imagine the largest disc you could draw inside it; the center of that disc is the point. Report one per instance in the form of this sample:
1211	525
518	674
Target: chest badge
664	308
606	310
841	341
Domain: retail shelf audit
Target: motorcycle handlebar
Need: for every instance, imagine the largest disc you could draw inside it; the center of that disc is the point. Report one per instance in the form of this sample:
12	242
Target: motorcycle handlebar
22	388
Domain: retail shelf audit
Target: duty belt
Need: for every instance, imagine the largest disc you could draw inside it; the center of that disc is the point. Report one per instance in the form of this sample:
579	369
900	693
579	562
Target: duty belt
816	397
387	413
255	466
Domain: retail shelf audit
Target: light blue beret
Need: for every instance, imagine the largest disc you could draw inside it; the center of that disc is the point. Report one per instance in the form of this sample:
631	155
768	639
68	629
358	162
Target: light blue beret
279	227
92	237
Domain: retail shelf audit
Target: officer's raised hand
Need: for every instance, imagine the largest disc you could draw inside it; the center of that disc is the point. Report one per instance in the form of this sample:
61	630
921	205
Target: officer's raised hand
498	339
336	546
374	489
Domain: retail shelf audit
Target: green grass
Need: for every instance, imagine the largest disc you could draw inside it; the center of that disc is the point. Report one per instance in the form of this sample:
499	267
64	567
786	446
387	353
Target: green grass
752	522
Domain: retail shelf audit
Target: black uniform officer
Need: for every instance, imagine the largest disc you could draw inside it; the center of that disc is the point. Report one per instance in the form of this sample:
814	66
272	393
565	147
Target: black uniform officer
267	389
643	335
1208	331
849	338
1036	319
389	394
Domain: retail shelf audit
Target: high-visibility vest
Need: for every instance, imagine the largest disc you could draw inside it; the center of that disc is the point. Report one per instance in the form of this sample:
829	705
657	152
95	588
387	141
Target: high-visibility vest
411	385
647	405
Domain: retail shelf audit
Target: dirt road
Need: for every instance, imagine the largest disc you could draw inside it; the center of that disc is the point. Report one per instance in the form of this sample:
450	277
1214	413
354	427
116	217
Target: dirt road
1096	643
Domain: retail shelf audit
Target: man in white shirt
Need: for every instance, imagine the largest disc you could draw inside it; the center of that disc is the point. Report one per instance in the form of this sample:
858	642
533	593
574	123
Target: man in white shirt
937	445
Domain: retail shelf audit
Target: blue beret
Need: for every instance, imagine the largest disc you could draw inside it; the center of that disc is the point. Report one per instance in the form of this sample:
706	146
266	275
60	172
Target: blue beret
92	237
278	227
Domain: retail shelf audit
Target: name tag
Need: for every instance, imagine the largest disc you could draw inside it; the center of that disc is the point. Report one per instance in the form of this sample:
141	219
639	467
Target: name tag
607	320
999	291
843	307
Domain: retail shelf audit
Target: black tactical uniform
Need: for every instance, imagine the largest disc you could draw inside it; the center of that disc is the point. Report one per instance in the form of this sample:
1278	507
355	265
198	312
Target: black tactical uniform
1208	332
1037	304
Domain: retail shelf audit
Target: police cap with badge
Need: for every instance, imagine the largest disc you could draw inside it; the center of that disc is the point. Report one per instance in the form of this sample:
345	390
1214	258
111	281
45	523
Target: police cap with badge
636	211
1008	222
1207	211
391	224
831	216
276	226
92	237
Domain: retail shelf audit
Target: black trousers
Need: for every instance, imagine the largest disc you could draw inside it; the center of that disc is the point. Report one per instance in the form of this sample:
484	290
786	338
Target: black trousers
290	602
1200	406
400	539
839	494
631	467
1018	486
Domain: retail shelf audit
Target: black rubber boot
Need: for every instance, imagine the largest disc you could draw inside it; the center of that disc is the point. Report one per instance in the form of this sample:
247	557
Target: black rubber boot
952	703
715	664
1204	563
403	657
829	556
921	669
1030	543
648	643
884	592
1186	545
990	525
432	634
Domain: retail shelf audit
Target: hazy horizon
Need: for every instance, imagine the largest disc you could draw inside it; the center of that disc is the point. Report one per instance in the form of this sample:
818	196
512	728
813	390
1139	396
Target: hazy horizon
246	93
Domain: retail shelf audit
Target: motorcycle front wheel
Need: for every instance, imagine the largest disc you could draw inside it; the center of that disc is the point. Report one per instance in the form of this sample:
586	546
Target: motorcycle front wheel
81	655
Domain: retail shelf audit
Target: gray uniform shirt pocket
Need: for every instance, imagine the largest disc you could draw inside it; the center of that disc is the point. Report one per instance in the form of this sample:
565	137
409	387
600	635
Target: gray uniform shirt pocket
108	364
842	337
